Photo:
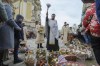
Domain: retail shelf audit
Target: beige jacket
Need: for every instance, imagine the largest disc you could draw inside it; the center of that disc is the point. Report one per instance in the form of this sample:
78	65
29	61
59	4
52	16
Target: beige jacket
40	34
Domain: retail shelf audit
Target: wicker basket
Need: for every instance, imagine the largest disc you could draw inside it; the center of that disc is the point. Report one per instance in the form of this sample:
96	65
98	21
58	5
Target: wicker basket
70	64
71	58
41	62
29	62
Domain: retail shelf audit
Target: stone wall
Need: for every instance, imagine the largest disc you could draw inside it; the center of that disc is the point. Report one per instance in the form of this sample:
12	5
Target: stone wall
35	13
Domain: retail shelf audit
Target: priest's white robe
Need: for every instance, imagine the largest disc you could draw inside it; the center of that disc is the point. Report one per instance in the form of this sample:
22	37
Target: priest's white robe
53	35
65	32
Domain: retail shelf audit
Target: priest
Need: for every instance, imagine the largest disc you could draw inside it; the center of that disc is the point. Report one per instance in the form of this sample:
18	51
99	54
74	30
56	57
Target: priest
64	33
52	33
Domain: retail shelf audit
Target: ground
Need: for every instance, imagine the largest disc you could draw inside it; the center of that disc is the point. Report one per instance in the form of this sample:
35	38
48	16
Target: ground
33	46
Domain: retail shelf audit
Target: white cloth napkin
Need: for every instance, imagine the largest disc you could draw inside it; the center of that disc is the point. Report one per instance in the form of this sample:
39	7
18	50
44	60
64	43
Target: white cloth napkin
61	59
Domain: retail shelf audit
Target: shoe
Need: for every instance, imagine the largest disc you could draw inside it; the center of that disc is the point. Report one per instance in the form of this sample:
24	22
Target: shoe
18	61
41	46
38	46
66	44
4	65
1	64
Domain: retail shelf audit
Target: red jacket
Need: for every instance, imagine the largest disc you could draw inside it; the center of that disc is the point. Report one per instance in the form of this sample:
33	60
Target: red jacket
88	16
91	24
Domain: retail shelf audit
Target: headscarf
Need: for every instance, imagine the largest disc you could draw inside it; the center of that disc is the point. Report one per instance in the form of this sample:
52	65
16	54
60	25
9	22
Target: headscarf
3	14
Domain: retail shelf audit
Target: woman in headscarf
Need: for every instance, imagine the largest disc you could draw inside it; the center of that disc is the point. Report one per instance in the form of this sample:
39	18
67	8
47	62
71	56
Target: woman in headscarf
7	30
3	18
91	24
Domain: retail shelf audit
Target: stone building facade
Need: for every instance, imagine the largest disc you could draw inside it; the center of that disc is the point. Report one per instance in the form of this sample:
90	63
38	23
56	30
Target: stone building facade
30	9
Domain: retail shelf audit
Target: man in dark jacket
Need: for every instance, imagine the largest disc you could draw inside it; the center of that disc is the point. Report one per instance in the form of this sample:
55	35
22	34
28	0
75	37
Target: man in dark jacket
18	38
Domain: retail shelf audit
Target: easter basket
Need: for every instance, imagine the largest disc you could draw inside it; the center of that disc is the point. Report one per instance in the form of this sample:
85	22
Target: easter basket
70	64
71	58
29	60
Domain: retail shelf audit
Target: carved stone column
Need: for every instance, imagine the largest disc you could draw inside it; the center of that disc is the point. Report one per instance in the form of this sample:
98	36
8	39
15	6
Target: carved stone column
36	10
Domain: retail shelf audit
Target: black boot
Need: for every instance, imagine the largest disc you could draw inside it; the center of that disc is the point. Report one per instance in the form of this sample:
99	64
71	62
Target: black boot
38	46
41	45
5	65
17	61
1	63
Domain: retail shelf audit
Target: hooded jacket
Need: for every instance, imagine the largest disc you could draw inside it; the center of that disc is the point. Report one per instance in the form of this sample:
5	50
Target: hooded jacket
19	34
3	14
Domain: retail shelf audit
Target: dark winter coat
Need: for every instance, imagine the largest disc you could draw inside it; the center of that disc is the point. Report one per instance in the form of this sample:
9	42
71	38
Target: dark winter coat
7	30
98	9
19	34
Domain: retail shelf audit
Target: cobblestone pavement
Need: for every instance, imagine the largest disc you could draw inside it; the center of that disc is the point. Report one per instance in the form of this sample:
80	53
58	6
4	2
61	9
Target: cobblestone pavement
33	46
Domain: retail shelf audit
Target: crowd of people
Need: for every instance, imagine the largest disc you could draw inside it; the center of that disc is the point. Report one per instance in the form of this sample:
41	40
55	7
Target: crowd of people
88	31
12	33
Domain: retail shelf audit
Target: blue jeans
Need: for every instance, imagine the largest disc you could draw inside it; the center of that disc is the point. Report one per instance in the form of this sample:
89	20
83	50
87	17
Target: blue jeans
17	43
87	38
